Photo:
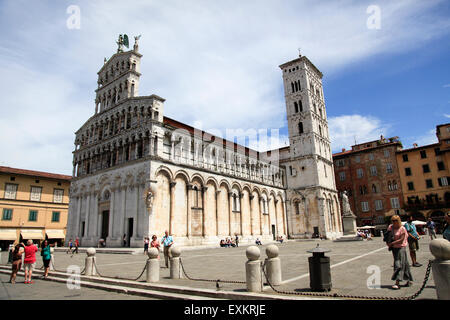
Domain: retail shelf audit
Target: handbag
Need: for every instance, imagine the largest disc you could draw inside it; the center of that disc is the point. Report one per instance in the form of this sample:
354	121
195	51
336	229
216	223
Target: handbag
388	237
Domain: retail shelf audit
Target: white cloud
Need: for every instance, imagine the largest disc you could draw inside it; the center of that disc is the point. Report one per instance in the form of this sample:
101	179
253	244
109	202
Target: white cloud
213	61
347	130
447	115
427	138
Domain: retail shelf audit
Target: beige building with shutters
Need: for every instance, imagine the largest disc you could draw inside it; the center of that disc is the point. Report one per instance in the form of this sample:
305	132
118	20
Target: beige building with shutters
33	205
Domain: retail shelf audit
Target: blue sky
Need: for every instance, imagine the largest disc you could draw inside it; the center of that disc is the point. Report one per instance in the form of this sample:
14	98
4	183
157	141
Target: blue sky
216	64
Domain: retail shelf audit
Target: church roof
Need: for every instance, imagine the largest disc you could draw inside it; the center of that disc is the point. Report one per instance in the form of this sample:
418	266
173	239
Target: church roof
34	173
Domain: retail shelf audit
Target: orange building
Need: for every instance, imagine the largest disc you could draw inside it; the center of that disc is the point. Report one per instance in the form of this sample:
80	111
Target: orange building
33	205
425	177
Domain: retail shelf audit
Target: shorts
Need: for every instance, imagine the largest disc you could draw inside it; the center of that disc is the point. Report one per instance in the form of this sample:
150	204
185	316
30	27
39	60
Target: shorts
413	244
46	263
29	266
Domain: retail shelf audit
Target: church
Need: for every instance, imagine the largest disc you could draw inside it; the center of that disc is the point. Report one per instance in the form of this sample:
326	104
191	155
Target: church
137	172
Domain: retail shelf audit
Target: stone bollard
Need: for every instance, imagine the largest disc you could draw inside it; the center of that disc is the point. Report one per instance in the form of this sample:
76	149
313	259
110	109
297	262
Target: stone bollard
273	265
440	248
89	262
153	265
175	267
52	259
253	269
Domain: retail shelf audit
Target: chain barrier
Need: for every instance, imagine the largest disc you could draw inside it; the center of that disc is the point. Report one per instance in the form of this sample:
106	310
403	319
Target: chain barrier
217	281
117	277
337	295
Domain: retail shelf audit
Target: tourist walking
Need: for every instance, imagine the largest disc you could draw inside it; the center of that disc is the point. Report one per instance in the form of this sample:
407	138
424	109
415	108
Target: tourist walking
70	246
46	257
77	244
237	241
431	226
124	240
29	261
16	261
167	242
146	243
398	247
446	230
413	241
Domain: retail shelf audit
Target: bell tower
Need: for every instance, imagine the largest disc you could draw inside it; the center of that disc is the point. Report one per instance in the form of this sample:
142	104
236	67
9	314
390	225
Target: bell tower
311	188
310	148
118	79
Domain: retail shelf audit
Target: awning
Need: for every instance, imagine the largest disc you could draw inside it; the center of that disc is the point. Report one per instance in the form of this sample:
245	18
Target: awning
32	234
55	234
8	234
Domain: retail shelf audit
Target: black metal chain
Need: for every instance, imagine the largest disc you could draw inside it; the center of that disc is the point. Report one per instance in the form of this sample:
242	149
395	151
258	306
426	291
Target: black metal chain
337	295
208	280
117	277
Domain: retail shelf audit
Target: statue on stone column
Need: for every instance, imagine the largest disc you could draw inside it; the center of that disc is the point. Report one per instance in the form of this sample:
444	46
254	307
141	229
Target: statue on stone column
346	209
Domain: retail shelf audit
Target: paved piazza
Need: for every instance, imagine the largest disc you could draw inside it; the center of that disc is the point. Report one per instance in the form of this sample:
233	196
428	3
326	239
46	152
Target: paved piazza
349	265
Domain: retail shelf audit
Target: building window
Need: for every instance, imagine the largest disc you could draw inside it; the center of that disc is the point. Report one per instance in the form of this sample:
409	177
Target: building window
371	156
297	207
408	171
395	203
378	205
55	216
35	194
373	170
342	176
58	195
423	154
295	107
340	163
394	185
426	168
359	172
405	158
32	216
300	127
443	181
374	188
7	214
300	106
362	189
236	202
386	153
10	191
437	151
365	206
429	183
389	168
440	166
410	185
357	159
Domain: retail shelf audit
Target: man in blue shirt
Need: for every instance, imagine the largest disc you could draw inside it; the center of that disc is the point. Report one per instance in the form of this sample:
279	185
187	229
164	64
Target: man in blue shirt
413	241
167	242
431	226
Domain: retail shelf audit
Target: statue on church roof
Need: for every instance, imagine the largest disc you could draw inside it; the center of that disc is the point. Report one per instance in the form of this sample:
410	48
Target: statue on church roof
136	45
123	41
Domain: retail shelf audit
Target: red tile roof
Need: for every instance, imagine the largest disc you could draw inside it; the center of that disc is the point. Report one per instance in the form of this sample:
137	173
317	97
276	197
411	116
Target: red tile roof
34	173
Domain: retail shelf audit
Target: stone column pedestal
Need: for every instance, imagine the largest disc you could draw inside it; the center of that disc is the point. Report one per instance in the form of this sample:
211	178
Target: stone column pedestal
273	265
175	266
440	248
89	262
153	265
253	270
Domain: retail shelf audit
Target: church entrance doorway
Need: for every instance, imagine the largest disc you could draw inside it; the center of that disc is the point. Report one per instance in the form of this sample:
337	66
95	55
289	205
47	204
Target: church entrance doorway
105	224
130	231
273	232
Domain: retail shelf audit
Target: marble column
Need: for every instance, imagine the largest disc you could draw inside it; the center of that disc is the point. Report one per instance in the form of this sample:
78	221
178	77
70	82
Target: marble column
88	200
189	211
204	220
251	197
172	206
111	214
230	211
216	195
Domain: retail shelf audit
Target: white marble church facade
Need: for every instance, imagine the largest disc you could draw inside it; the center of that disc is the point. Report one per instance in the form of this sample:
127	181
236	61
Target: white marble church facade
137	173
